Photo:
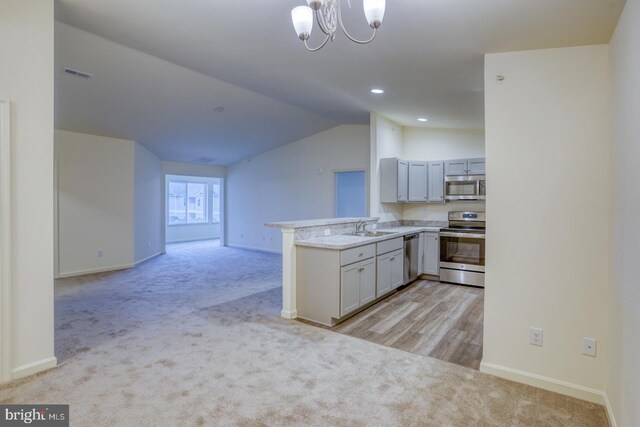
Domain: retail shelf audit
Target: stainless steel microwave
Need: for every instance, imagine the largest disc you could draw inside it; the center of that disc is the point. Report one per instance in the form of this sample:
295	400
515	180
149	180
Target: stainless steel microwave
465	187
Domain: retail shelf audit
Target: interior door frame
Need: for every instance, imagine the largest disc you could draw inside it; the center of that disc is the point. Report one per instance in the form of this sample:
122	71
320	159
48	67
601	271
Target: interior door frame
366	189
5	241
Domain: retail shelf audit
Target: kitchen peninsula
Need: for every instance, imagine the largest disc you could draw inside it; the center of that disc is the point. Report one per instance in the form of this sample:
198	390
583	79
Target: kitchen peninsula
332	269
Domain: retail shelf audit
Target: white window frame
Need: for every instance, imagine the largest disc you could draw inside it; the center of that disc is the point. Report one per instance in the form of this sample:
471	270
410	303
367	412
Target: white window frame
206	202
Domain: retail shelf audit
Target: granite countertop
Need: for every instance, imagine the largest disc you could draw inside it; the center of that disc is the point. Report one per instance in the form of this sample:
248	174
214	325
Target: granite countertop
346	241
317	222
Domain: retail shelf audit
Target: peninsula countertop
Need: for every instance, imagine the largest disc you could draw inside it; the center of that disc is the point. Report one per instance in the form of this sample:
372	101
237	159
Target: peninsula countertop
347	241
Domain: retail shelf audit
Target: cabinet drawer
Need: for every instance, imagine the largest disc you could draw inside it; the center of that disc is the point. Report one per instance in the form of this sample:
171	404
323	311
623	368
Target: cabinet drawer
349	256
389	245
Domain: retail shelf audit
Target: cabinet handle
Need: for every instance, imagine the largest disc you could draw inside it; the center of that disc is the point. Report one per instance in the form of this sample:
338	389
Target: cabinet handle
361	269
392	259
361	254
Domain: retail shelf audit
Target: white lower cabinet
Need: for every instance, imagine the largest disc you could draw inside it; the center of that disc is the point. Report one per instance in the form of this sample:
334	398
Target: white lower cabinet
358	285
334	284
431	254
390	272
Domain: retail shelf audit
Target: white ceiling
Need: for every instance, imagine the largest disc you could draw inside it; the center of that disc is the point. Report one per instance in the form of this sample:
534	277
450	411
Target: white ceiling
428	57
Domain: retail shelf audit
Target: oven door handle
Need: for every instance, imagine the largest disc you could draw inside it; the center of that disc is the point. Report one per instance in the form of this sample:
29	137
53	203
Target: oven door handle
468	235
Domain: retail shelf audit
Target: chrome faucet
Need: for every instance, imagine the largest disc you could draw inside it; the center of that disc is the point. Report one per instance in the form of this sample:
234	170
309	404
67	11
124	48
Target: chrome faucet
360	226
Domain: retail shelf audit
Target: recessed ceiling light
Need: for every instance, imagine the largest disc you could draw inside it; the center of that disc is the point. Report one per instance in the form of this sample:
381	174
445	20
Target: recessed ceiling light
422	119
377	91
218	109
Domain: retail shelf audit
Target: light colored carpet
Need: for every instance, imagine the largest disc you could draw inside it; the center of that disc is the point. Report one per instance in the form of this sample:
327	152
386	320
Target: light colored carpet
194	338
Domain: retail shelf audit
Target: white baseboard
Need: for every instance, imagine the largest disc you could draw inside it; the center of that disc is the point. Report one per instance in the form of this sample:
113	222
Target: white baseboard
609	411
137	263
251	248
33	368
198	239
546	383
94	270
289	314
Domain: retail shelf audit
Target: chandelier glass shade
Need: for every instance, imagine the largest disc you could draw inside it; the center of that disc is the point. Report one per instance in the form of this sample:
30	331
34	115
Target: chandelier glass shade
328	15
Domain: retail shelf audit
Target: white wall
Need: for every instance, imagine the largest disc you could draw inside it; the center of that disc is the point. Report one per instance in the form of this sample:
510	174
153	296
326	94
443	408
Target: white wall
292	182
193	169
440	144
191	232
547	131
148	202
623	323
386	140
26	79
95	203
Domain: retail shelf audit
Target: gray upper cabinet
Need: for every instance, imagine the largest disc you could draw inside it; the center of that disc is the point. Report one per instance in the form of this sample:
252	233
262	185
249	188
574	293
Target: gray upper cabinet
421	181
403	181
476	166
394	180
436	181
455	167
465	167
418	182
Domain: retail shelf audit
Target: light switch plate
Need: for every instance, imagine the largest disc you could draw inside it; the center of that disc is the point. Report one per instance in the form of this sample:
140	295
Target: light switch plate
589	346
535	336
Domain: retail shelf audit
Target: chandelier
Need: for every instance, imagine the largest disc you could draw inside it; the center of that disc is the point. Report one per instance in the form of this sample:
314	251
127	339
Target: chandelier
329	17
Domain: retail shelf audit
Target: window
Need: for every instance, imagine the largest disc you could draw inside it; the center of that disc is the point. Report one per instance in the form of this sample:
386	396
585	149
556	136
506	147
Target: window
187	203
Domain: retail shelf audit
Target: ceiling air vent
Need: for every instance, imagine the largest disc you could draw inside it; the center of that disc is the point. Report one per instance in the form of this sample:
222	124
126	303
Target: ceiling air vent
76	73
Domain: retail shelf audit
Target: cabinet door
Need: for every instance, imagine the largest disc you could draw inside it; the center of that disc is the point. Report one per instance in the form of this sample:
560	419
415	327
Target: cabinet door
436	181
403	180
455	167
476	166
420	253
383	275
397	269
367	272
431	254
350	288
417	181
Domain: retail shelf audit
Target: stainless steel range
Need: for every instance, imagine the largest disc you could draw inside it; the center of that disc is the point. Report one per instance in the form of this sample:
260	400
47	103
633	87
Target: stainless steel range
462	249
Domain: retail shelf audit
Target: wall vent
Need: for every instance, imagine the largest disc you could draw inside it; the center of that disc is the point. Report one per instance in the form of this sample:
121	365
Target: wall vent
76	73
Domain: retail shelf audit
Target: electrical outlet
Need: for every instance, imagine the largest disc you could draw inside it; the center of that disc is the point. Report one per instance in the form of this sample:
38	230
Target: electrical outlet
535	336
100	253
589	346
327	232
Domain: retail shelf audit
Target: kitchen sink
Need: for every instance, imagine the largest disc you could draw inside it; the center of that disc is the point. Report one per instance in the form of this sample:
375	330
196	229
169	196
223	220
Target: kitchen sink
374	233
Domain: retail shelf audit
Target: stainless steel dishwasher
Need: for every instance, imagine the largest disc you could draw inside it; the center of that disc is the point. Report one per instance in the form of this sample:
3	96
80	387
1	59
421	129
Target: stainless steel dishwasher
410	258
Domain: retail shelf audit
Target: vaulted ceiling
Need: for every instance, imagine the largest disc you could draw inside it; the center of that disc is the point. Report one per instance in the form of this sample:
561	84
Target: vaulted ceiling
160	67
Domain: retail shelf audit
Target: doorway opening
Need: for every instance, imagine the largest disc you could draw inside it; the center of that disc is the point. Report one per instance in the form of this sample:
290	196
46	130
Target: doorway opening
350	194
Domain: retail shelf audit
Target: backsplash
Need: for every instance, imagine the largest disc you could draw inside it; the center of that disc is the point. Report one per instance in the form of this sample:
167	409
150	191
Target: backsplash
319	231
311	232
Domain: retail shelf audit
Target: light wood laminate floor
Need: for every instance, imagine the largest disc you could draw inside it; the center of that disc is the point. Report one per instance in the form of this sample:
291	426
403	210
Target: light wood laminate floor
428	318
